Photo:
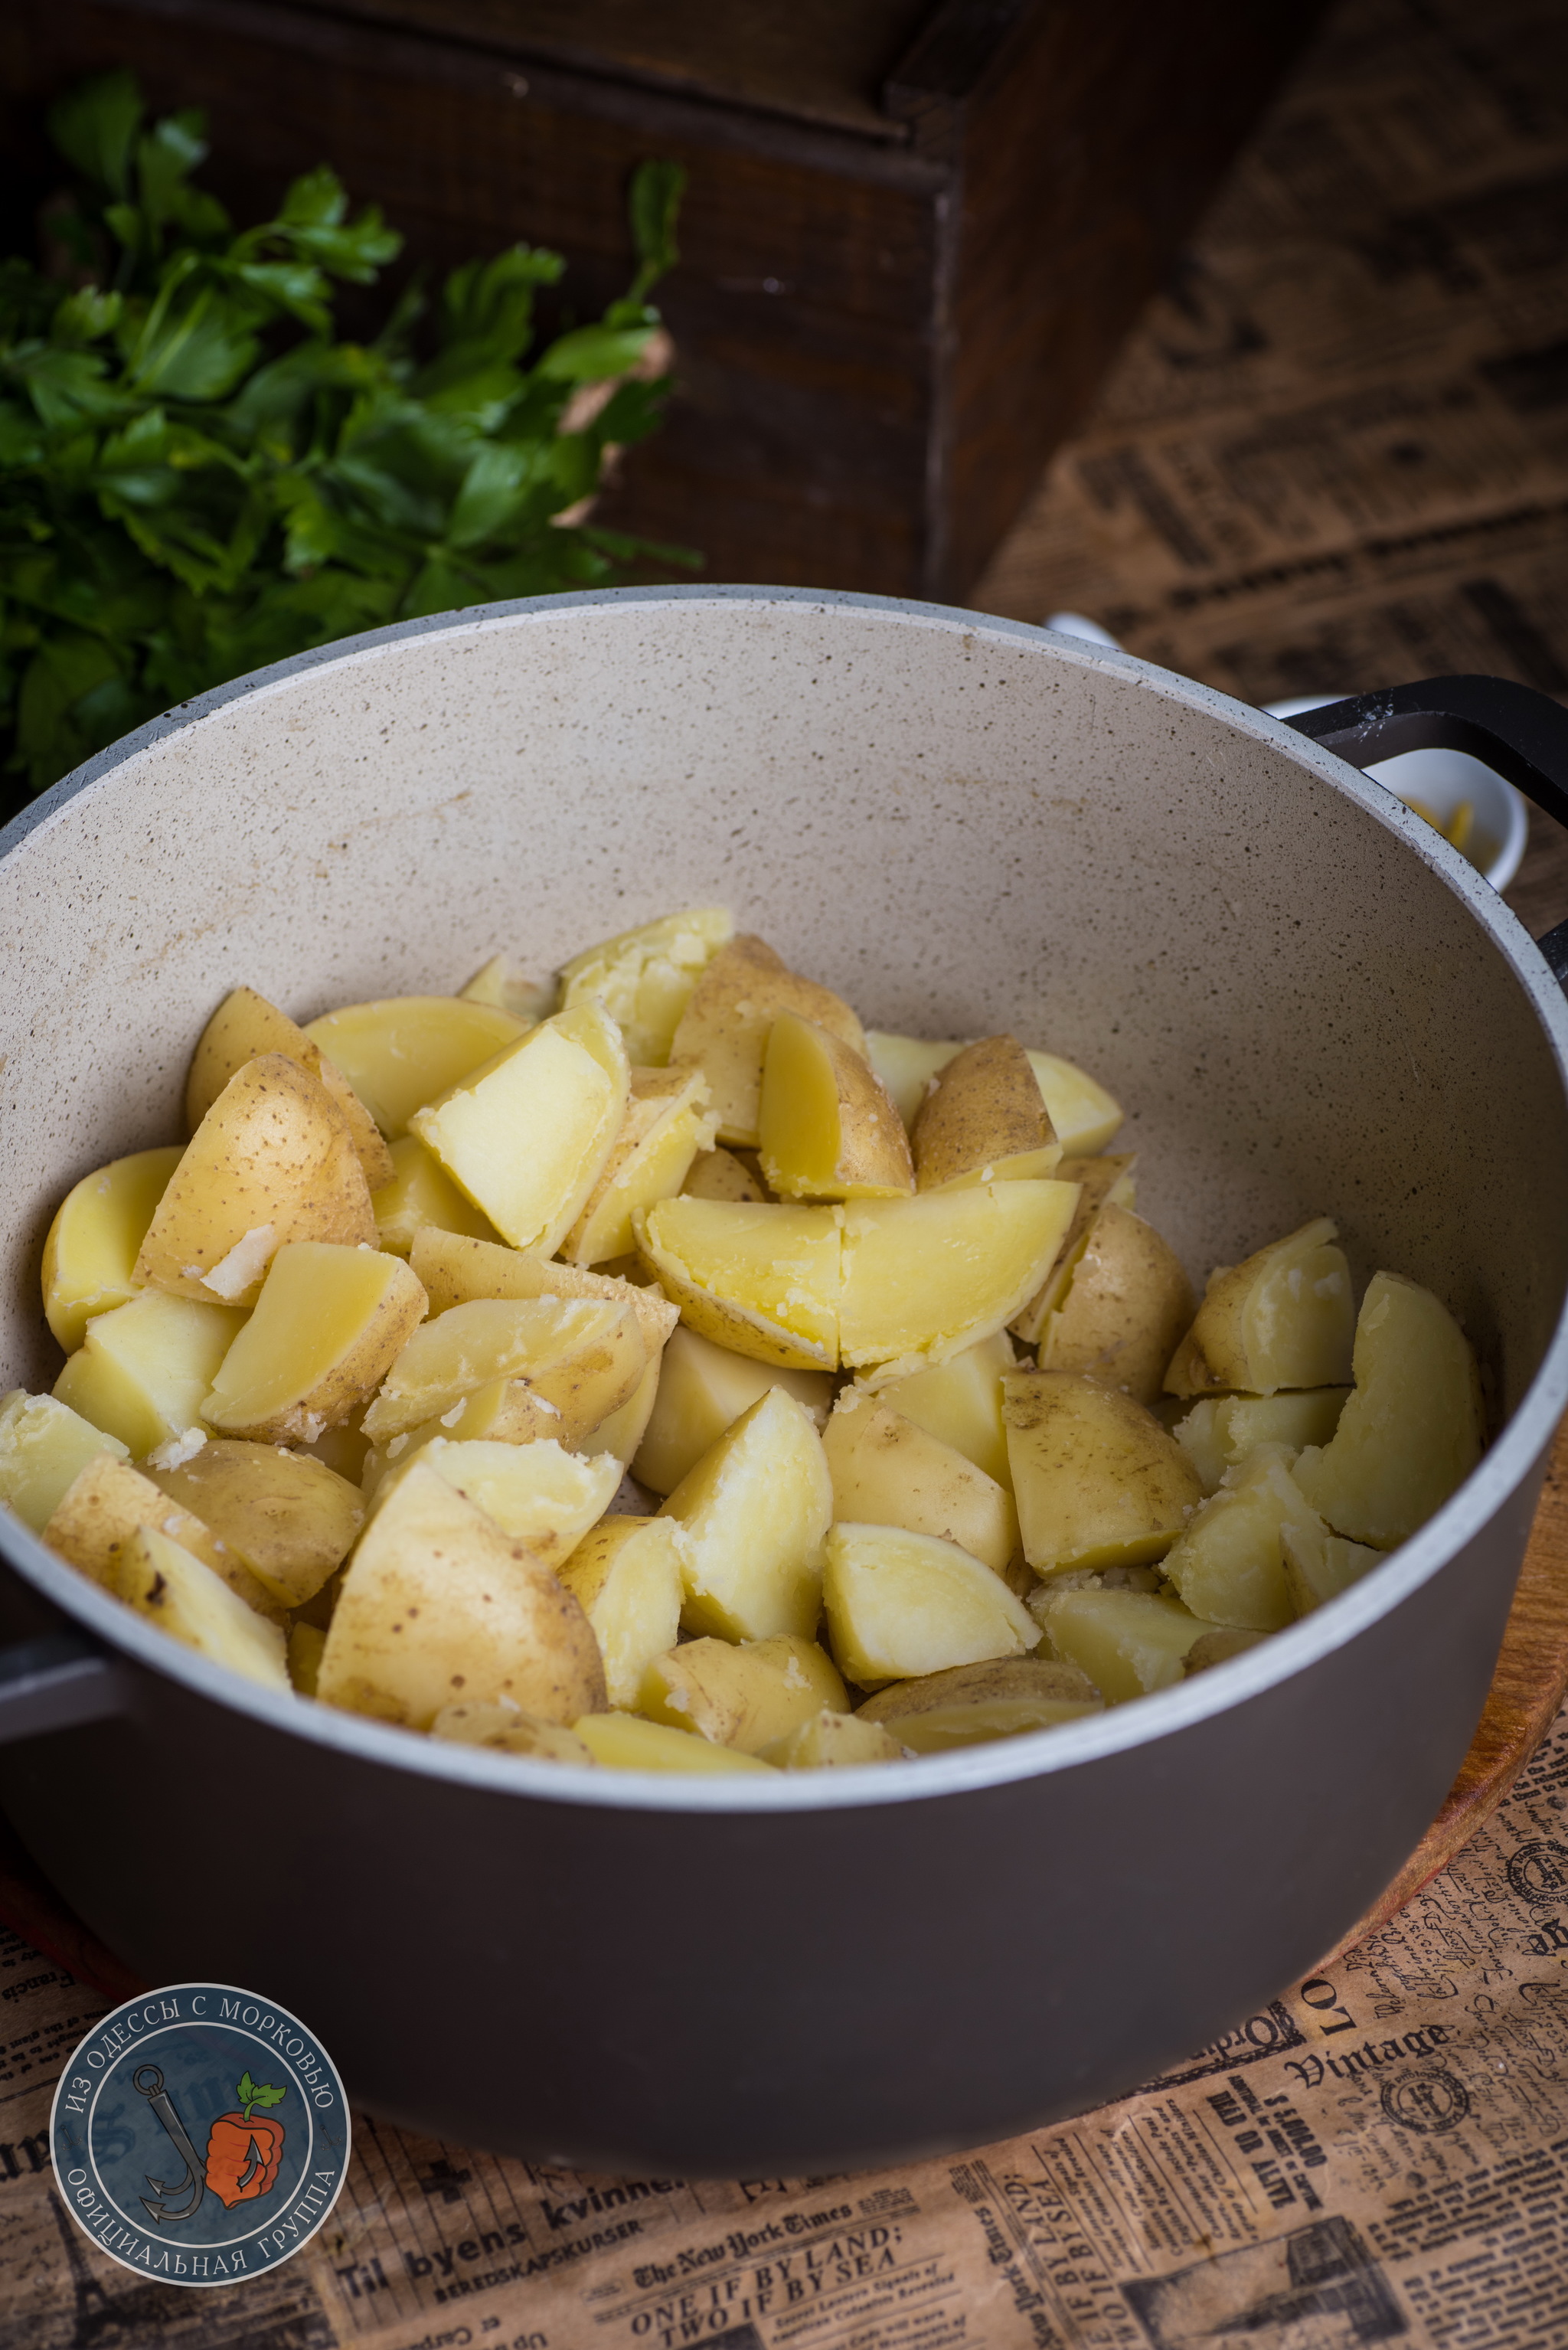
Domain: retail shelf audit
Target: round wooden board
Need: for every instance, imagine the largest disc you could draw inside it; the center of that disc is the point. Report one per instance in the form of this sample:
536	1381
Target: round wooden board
1527	1689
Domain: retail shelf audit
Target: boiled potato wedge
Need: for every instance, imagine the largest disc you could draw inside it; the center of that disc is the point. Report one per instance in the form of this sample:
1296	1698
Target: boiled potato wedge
160	1580
984	1120
288	1518
888	1472
420	1195
439	1607
701	1390
1412	1430
621	1432
539	1496
1284	1319
1082	1116
1319	1565
667	1122
1128	1303
828	1129
626	1576
580	1360
925	1278
89	1256
748	1697
969	1705
246	1025
306	1643
900	1606
271	1161
959	1402
1127	1643
503	983
526	1135
455	1271
645	978
507	1729
1227	1565
625	1742
1097	1481
1212	1648
327	1326
761	1281
1102	1183
402	1051
906	1066
501	1411
726	1024
827	1741
143	1369
754	1513
44	1447
717	1174
1219	1432
108	1501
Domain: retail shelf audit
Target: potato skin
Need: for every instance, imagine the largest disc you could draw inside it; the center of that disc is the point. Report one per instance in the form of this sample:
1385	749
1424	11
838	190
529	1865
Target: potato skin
887	1470
1099	1482
1224	1349
275	1152
997	1677
717	1174
1127	1305
245	1025
1101	1182
811	1077
748	1697
106	1504
291	1520
725	1027
980	1112
438	1607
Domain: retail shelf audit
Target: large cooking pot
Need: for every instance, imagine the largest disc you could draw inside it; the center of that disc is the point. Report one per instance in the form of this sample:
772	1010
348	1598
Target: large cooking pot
1307	1002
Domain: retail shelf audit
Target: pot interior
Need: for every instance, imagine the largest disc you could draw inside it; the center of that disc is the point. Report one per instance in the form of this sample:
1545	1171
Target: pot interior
959	825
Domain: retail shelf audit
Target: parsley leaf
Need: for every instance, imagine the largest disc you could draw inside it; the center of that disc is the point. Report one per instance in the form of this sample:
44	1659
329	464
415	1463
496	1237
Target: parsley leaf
198	477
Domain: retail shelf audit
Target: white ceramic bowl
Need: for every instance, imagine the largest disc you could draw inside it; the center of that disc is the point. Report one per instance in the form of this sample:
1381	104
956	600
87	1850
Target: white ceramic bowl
1441	781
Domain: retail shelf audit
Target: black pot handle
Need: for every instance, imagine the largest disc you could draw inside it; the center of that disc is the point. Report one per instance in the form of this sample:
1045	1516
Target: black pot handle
1521	734
57	1682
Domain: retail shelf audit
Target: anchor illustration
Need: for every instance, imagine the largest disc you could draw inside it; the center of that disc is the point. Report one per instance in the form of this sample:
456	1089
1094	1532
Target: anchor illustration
147	2081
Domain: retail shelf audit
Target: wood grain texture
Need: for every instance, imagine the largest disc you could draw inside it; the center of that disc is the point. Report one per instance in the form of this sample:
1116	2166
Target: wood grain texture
904	263
1527	1690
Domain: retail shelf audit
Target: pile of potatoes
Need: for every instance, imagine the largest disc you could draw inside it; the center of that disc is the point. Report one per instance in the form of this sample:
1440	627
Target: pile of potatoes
947	1449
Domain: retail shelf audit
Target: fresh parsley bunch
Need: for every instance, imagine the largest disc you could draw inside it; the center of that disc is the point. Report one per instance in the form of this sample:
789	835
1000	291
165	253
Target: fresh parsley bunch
196	476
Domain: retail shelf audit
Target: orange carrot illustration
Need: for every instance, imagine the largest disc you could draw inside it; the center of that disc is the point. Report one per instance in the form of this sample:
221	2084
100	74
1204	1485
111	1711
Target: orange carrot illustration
242	2154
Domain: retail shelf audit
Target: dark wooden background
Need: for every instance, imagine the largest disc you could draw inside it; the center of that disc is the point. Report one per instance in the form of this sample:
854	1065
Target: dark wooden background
913	238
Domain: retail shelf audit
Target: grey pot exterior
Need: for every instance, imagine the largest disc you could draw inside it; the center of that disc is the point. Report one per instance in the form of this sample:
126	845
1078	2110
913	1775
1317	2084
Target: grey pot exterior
1307	1004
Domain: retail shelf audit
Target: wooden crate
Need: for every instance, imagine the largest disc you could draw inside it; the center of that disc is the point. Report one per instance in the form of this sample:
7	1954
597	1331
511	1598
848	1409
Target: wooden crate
912	238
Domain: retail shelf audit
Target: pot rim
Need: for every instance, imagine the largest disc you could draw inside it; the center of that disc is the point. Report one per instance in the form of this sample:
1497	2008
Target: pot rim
1119	1729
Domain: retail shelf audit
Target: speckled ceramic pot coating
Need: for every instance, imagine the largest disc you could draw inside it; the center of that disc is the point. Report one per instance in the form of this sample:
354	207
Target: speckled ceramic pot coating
1306	1000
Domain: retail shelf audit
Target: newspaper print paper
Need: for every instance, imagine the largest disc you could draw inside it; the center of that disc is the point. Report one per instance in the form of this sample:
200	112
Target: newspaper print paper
1381	2155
